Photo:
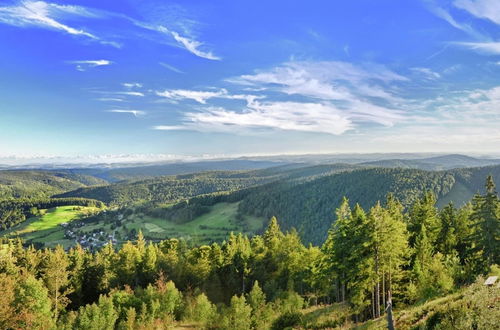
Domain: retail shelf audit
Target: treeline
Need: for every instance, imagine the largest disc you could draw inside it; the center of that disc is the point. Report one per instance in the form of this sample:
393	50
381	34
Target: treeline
167	189
370	258
15	211
41	184
307	206
383	255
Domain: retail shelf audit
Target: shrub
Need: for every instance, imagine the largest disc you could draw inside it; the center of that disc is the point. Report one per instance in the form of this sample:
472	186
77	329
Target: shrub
287	320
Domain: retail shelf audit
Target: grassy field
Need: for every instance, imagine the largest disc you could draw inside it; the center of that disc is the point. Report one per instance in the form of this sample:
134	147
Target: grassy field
215	225
45	228
212	226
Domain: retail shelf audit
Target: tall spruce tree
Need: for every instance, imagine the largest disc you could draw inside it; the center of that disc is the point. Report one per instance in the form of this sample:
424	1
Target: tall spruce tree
485	220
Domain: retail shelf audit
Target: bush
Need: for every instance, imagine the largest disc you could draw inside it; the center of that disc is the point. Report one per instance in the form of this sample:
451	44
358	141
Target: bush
201	310
287	320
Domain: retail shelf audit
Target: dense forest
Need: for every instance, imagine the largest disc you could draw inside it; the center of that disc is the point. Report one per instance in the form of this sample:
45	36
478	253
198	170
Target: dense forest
307	202
41	184
168	189
372	258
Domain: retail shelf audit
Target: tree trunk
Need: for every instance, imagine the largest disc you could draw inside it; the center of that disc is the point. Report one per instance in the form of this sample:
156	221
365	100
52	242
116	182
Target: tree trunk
383	289
390	320
343	290
373	302
377	288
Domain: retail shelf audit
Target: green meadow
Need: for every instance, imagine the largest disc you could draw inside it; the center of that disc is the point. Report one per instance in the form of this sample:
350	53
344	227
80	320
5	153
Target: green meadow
46	228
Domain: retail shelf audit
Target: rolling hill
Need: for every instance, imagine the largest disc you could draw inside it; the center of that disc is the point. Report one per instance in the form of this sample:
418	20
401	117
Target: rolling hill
41	184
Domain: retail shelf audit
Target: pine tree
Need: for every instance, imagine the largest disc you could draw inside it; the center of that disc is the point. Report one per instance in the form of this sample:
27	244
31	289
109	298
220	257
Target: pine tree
486	225
446	239
424	213
336	249
56	278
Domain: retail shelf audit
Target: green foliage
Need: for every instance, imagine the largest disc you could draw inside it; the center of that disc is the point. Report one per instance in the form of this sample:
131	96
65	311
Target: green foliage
13	212
100	316
367	260
29	184
288	320
201	310
238	315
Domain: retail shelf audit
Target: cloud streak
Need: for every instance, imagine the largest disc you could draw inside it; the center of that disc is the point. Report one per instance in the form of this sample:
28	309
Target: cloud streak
50	16
136	113
170	67
203	96
333	80
481	47
86	64
486	9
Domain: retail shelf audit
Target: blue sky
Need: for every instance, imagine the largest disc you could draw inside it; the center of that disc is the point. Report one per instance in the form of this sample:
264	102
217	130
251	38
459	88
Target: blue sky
88	77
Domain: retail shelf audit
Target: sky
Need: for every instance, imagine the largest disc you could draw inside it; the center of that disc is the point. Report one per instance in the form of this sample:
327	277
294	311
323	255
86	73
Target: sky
93	78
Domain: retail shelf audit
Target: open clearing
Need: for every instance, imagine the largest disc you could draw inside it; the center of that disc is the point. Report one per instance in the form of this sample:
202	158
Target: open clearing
216	225
46	228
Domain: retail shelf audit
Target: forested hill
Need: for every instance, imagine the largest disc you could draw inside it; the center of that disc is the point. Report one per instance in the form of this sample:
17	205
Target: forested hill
155	170
436	163
41	184
168	189
310	206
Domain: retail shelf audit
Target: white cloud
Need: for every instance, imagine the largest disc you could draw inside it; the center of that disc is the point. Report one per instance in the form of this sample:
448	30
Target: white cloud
49	15
305	117
132	85
482	47
487	9
321	83
84	65
110	99
203	96
168	128
427	73
198	96
136	113
193	46
445	15
332	80
190	44
130	93
170	67
288	116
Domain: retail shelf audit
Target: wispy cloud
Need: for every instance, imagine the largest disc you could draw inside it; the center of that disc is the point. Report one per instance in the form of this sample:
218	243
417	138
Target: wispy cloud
332	80
338	97
482	47
203	96
49	16
486	9
84	65
286	116
190	44
194	46
132	85
109	99
427	73
136	113
130	93
170	67
445	15
305	117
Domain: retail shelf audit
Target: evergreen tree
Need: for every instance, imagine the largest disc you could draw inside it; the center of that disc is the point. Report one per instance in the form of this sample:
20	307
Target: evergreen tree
56	278
446	240
424	213
486	225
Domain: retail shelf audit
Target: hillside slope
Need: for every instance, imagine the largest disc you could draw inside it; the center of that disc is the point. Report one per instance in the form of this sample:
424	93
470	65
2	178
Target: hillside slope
40	184
167	189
